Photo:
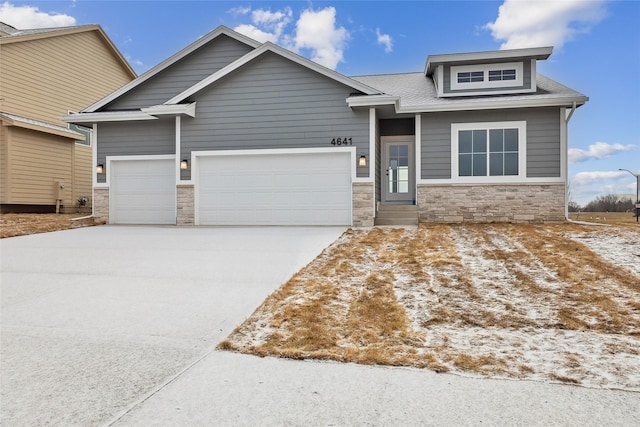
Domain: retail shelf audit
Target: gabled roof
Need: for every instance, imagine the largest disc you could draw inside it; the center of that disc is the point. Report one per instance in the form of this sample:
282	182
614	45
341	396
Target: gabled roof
222	30
270	47
19	36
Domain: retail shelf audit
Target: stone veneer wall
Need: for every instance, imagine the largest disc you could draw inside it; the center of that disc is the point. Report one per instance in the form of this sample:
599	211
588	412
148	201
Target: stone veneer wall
529	203
101	204
362	204
186	205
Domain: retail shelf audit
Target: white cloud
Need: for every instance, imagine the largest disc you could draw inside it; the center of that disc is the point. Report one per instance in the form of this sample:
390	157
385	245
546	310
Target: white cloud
524	23
235	11
256	33
585	178
317	31
598	150
30	17
385	40
266	26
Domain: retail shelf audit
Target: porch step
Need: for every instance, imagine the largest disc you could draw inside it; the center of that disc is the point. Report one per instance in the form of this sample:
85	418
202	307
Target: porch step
397	215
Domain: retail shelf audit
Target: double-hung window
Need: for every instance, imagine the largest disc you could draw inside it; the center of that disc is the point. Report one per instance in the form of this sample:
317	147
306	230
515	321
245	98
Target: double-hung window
488	151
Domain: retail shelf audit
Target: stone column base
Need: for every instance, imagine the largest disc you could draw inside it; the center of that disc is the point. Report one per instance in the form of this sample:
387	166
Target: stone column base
185	205
101	204
362	204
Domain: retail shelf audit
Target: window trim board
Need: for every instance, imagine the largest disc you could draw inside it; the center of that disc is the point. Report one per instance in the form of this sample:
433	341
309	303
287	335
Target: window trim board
487	126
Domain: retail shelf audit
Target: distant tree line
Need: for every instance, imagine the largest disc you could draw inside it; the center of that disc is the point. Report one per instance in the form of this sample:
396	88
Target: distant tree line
608	203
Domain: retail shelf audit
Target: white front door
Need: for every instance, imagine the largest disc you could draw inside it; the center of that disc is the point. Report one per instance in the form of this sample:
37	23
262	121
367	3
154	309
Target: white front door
398	171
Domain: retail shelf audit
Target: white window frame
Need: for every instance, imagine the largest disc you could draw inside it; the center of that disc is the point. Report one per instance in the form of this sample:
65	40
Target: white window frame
487	126
486	84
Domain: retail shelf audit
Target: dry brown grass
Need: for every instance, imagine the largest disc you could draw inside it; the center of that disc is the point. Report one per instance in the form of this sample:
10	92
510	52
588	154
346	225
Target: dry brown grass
519	301
12	225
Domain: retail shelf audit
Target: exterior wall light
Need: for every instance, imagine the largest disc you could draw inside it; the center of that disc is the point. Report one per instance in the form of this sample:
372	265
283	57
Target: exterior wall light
184	164
362	161
100	168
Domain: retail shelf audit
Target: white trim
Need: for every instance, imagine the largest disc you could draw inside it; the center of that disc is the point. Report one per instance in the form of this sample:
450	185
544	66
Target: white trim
532	181
175	109
115	116
466	105
270	47
271	151
178	148
372	100
522	153
418	142
373	127
222	30
485	83
94	163
440	86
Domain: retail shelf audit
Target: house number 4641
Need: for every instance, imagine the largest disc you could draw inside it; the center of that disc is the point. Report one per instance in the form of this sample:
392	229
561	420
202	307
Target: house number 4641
342	141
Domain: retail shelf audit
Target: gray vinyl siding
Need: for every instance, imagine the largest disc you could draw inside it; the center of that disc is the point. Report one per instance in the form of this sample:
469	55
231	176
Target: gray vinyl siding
526	81
274	103
543	139
182	75
150	137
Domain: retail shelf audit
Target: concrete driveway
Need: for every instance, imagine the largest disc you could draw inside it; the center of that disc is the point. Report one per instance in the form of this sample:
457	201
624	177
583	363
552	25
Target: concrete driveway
92	319
118	325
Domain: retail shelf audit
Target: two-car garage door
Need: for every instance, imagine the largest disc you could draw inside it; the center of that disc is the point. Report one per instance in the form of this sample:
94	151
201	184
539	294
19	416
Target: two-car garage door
238	189
274	189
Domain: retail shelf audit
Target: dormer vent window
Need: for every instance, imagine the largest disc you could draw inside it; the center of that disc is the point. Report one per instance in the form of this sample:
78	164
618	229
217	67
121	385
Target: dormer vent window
486	76
471	76
496	75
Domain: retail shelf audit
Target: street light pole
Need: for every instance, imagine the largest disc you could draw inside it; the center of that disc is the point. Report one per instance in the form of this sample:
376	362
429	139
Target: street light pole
637	175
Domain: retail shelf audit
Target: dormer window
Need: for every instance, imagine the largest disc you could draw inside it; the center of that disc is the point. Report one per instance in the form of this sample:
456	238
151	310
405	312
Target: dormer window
496	75
471	76
486	76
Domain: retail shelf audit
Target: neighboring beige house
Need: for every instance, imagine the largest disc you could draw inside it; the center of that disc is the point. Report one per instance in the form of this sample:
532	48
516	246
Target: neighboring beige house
44	75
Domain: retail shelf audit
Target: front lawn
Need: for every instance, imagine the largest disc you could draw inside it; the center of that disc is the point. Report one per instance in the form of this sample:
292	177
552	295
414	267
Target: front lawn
557	303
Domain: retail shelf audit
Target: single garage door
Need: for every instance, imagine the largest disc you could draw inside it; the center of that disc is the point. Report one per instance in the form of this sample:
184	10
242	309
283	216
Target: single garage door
142	192
275	189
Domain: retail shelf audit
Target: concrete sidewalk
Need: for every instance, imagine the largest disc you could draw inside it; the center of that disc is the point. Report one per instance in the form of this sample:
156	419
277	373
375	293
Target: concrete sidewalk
118	325
228	389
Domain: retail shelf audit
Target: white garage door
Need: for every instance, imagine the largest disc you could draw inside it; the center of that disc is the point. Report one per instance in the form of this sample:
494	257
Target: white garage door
275	189
142	192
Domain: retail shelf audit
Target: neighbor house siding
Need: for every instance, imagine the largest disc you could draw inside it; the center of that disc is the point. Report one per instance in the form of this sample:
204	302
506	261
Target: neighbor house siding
44	79
151	137
274	103
82	155
182	75
37	161
543	139
4	163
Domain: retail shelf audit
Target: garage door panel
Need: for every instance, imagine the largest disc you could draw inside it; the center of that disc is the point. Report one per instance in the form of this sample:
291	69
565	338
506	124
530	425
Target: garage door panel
275	189
143	191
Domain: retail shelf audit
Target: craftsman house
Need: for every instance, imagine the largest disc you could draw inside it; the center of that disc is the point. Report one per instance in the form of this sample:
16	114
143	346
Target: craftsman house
230	131
46	163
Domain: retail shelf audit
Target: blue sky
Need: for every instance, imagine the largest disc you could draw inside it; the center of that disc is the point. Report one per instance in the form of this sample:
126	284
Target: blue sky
597	50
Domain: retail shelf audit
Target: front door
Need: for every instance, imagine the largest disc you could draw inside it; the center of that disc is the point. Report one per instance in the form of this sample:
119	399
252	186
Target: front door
398	171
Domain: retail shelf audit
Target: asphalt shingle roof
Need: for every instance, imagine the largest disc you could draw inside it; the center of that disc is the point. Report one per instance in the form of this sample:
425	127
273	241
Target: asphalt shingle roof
417	90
